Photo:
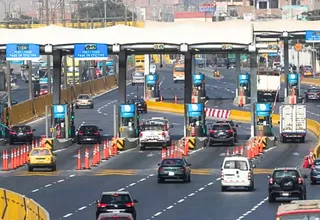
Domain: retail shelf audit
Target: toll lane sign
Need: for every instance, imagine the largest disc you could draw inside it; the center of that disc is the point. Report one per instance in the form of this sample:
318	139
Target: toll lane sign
91	51
22	52
312	36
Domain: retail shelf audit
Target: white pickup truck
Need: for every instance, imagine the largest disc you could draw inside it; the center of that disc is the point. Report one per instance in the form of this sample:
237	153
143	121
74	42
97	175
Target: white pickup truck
155	133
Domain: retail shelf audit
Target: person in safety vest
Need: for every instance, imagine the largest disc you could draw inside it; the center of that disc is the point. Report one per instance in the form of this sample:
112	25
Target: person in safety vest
306	162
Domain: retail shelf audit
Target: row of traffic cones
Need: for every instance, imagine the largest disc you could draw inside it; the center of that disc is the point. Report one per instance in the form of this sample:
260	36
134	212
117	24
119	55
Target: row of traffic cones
235	151
175	99
14	158
176	151
97	156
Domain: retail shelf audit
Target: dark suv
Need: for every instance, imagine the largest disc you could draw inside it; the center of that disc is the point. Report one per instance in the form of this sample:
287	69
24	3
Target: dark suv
287	183
21	134
89	134
221	133
116	202
234	128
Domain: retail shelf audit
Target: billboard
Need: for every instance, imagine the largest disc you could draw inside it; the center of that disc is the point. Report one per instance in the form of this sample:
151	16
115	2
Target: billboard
293	12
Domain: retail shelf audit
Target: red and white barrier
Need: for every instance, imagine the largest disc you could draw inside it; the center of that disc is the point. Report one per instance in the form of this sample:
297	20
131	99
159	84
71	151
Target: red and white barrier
217	113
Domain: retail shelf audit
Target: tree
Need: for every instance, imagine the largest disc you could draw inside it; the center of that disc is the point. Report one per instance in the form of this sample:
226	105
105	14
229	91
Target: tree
114	12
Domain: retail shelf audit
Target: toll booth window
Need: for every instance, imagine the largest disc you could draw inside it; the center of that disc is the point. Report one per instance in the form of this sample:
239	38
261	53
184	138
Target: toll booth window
198	85
263	121
234	164
42	152
150	86
127	121
194	119
21	128
179	69
70	69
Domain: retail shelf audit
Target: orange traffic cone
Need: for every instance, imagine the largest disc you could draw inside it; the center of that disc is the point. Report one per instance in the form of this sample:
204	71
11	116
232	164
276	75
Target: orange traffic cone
87	160
79	160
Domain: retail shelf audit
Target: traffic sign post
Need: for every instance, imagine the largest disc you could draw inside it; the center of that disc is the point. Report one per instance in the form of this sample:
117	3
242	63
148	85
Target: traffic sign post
312	36
91	51
16	52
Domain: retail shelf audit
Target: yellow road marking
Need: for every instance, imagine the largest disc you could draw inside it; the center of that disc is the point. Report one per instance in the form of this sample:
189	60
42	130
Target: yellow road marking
36	173
120	172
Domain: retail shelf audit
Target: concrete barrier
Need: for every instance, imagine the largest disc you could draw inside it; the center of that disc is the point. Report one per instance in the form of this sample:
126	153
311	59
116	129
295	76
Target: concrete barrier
18	207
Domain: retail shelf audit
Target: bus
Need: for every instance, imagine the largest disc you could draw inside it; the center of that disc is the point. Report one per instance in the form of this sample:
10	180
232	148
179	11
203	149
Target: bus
299	210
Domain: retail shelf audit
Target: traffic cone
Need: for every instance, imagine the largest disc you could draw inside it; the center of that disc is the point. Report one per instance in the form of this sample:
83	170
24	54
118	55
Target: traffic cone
241	150
94	158
79	160
175	152
163	153
98	154
228	152
87	160
105	151
241	101
4	161
186	147
175	99
161	98
110	149
11	159
15	158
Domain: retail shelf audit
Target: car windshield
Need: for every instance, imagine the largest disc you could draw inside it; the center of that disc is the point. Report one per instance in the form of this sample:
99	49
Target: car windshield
115	199
83	97
221	127
278	174
173	162
88	128
21	128
313	90
316	162
230	122
43	87
306	216
40	152
138	74
236	164
308	67
179	69
156	127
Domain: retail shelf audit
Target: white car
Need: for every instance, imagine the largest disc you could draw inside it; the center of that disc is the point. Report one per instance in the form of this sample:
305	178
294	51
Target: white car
237	171
155	132
137	78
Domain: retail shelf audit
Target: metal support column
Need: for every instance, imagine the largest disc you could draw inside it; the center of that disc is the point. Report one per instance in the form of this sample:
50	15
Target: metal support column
30	84
49	73
57	57
65	72
238	71
8	82
253	76
286	64
188	60
122	76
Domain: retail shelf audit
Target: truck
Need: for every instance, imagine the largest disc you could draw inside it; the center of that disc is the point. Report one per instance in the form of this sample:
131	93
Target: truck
268	85
293	122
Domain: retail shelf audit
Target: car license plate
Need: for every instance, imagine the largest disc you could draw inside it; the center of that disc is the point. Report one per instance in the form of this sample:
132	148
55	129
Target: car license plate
116	211
285	194
171	173
89	139
20	133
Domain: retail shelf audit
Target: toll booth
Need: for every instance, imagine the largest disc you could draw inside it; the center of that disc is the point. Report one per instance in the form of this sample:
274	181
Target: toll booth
196	122
128	121
244	84
152	87
60	120
263	119
198	88
293	89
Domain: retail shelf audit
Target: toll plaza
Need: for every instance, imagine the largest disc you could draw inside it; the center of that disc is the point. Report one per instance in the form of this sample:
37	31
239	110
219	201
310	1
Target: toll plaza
152	90
199	88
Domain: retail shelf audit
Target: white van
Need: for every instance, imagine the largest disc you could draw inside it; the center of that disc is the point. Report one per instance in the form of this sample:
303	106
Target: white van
237	171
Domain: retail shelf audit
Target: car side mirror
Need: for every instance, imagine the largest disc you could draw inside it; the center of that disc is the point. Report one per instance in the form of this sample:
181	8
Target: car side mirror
161	65
54	154
236	125
33	129
171	126
268	176
100	129
253	166
97	201
189	164
305	176
135	201
159	164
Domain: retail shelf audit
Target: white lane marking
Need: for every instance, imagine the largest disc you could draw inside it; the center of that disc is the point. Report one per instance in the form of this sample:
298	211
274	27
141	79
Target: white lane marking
163	77
106	105
253	209
121	189
183	199
53	183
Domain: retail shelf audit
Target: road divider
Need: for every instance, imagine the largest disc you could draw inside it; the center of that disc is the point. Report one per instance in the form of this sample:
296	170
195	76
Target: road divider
308	81
16	206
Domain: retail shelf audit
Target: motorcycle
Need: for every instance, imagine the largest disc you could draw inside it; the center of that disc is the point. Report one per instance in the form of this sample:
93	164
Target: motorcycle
216	74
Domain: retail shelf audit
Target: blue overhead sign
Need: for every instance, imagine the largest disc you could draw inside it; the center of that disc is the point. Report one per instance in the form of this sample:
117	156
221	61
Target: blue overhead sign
59	111
195	110
127	111
312	36
198	78
91	51
243	78
263	109
22	52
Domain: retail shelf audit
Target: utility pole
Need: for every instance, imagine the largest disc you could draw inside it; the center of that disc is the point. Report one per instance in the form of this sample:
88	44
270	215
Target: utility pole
47	12
78	13
63	12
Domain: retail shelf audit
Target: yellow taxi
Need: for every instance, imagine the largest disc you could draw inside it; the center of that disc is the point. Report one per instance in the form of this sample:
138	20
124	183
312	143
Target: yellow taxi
41	158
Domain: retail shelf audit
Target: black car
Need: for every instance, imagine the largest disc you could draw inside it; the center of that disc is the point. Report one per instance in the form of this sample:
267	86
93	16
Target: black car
21	134
312	94
174	169
113	202
140	104
234	128
221	133
287	183
89	134
315	172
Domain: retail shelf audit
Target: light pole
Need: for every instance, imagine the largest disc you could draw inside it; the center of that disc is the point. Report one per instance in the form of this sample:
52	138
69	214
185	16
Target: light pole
5	7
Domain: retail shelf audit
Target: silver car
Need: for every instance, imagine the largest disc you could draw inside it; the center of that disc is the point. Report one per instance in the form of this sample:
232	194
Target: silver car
137	78
84	100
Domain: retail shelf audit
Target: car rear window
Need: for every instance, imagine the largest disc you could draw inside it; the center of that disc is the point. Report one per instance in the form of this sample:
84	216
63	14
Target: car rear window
42	152
137	100
236	164
172	162
88	128
156	127
313	90
221	127
179	69
115	199
138	74
278	174
230	122
21	128
83	97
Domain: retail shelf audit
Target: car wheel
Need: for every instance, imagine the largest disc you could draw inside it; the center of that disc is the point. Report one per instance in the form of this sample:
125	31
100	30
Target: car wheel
11	142
312	182
223	188
189	178
302	140
78	142
160	180
77	107
251	187
30	169
54	167
142	147
91	106
271	199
